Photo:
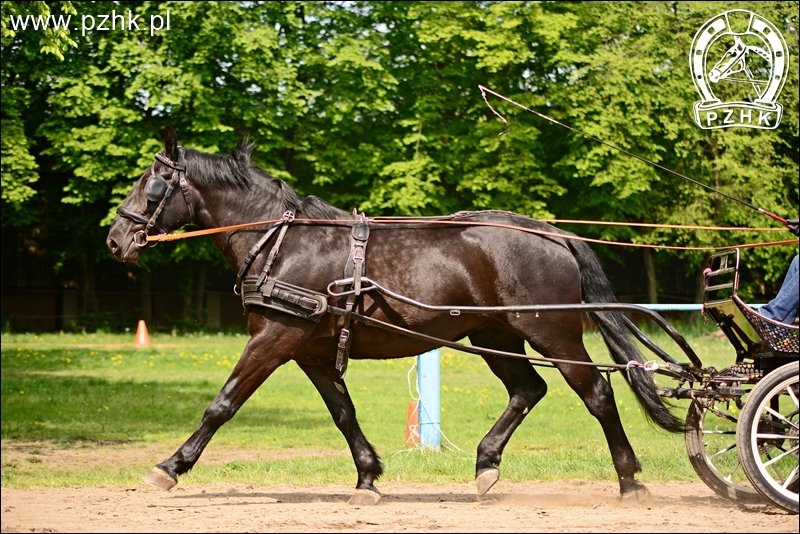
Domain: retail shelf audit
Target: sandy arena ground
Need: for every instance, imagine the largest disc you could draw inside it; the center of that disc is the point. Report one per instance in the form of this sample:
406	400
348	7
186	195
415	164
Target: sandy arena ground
570	506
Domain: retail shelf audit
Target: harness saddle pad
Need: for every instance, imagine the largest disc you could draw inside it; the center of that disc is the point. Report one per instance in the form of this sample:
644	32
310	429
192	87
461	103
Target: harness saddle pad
284	297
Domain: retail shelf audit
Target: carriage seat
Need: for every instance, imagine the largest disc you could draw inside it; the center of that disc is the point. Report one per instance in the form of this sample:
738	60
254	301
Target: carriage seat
777	336
720	290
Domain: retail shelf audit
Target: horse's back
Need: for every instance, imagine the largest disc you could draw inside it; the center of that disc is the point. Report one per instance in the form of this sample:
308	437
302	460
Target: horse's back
485	258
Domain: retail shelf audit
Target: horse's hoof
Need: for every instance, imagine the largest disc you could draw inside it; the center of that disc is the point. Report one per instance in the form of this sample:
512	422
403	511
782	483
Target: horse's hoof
637	493
158	478
362	497
486	479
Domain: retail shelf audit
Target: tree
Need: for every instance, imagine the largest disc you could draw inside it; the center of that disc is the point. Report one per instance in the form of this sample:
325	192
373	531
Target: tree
19	169
376	106
628	84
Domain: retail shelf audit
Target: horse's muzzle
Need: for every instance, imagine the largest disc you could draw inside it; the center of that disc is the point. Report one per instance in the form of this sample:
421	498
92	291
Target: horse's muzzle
121	245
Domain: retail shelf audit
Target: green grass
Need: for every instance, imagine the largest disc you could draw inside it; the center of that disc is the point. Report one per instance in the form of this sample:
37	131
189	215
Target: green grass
98	390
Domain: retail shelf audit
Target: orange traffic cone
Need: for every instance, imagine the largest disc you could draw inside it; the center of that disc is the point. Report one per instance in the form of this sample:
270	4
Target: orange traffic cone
142	337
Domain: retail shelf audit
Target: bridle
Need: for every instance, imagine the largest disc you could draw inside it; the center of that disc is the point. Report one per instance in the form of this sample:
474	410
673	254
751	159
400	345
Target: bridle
159	190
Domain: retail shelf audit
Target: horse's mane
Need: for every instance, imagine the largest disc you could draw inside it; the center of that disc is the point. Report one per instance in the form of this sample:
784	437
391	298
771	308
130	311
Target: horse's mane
236	170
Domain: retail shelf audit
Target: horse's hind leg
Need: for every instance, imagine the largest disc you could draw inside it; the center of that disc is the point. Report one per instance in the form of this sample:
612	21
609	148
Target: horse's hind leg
525	388
252	369
334	392
598	397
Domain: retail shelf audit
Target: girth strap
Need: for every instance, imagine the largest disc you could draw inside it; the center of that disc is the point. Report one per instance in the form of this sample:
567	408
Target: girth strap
355	268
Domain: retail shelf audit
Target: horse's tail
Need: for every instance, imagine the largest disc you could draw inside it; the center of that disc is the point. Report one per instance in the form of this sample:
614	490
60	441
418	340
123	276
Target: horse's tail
595	287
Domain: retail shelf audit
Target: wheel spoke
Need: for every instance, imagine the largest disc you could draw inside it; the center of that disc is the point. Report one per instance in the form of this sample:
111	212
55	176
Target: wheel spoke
777	415
790	479
779	457
765	436
793	395
722	451
713	452
720	432
736	466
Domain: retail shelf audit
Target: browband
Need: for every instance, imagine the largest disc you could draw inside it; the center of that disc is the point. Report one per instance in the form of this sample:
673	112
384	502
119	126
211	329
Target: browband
169	163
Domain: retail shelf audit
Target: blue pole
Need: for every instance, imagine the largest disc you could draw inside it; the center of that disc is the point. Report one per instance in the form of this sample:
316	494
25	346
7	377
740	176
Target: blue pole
429	410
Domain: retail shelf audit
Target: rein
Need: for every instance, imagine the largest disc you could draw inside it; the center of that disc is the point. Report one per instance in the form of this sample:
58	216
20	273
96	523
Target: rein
448	222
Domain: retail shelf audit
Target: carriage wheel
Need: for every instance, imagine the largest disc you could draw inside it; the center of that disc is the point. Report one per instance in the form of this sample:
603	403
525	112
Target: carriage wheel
711	444
768	437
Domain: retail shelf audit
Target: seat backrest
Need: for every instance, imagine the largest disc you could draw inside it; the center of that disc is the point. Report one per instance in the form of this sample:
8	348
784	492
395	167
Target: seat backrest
722	302
721	278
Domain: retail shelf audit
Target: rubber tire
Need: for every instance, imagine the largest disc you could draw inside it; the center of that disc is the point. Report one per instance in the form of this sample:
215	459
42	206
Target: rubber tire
763	477
698	419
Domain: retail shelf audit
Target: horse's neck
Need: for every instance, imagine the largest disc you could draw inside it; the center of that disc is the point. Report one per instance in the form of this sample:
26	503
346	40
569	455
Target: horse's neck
761	52
262	202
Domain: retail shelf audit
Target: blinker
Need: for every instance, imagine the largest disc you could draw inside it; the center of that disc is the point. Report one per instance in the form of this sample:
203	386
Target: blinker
155	188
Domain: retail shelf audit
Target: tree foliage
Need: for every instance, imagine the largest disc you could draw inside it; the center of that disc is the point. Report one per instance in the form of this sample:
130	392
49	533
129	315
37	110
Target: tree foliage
376	106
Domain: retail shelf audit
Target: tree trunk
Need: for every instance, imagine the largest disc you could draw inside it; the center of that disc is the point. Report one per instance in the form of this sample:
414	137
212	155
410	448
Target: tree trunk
652	286
88	293
200	294
147	297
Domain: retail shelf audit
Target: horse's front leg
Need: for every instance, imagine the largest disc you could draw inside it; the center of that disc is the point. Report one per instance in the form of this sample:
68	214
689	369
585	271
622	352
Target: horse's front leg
270	346
334	392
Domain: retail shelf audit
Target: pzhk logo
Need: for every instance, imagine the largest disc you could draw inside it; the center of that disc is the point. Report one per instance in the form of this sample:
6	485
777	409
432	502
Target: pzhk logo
749	70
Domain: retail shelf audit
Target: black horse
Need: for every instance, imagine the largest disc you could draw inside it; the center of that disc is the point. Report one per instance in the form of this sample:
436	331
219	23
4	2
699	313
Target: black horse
479	262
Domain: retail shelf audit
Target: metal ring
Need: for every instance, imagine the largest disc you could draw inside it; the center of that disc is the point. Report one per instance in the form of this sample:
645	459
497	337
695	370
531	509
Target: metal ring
137	242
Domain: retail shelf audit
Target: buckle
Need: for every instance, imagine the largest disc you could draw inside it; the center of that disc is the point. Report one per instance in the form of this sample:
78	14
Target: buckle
343	337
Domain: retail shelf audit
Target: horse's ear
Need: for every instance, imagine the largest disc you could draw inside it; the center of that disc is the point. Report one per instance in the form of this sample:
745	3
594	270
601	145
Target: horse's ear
171	143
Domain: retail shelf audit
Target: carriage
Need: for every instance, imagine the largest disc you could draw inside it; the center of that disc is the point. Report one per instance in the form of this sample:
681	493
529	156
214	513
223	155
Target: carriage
742	423
497	278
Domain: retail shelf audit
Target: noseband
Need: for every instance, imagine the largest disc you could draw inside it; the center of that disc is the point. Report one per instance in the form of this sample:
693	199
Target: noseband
158	189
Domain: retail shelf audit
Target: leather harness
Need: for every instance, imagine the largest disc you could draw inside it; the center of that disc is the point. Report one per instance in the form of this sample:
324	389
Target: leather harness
355	268
159	190
260	290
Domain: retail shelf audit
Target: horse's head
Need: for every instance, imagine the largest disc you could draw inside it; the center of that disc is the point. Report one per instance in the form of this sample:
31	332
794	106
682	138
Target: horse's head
152	207
731	63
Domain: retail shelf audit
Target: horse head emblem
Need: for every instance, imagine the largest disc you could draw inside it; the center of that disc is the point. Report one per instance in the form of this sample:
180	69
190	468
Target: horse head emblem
760	41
